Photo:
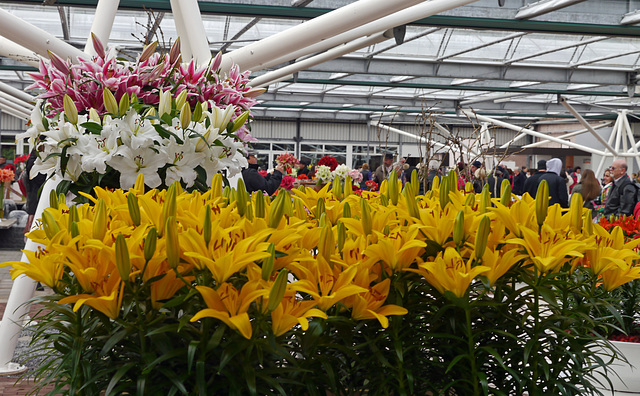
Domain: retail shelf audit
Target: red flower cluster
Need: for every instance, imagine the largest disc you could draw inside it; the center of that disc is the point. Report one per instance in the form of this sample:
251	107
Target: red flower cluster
287	182
371	185
6	175
329	161
21	159
629	225
625	338
287	160
303	177
263	173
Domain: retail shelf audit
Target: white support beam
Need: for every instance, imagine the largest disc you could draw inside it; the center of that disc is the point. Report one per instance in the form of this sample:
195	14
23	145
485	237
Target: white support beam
102	24
629	132
17	52
556	49
408	134
13	112
323	28
570	134
7	104
13	91
516	128
449	134
34	38
26	106
543	7
484	45
585	124
333	53
185	44
194	29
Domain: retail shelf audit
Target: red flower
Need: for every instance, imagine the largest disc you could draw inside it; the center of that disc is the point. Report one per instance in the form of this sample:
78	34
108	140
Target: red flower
287	182
263	173
21	159
371	185
329	161
303	177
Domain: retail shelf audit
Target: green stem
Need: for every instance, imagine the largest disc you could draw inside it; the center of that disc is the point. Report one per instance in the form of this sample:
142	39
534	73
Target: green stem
472	349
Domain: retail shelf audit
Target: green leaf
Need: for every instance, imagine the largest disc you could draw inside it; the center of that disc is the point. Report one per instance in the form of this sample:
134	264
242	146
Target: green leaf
92	127
118	375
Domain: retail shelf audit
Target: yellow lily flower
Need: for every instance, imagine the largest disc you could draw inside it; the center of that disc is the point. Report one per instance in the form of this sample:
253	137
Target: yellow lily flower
291	312
619	275
107	297
549	249
398	250
230	306
42	267
449	272
499	262
369	305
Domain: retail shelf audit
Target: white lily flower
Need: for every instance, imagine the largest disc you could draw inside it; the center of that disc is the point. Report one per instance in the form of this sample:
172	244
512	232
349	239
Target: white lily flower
182	160
65	133
97	150
221	118
130	163
135	131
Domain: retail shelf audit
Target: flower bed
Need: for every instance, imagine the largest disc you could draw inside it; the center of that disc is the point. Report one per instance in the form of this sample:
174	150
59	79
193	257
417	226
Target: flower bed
323	291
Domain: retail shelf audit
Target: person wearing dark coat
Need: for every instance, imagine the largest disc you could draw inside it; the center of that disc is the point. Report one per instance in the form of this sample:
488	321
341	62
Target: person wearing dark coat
495	181
518	182
254	181
531	184
621	199
557	186
303	167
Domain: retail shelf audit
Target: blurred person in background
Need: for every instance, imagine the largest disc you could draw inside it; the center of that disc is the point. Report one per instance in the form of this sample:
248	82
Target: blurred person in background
589	188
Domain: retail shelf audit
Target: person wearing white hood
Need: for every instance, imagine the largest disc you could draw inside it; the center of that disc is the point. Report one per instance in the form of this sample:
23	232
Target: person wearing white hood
557	186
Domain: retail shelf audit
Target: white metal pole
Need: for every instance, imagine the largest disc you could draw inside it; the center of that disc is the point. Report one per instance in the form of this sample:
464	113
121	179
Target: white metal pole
253	56
13	105
611	137
627	128
404	133
102	24
194	29
570	134
17	52
333	53
13	91
10	110
185	45
503	124
34	38
25	105
21	291
448	133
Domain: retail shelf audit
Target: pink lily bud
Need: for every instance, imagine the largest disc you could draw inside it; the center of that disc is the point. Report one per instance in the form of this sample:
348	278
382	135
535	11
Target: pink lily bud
217	61
97	46
148	51
175	51
253	92
58	62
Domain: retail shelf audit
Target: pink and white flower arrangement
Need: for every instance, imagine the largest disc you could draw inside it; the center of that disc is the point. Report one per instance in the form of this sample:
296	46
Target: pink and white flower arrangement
106	121
288	161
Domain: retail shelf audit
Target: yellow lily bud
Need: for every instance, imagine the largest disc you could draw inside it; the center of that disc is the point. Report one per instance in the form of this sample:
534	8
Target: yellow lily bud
470	200
74	230
384	200
588	223
49	224
185	115
164	107
453	180
53	199
458	228
326	245
468	187
336	188
150	244
346	210
444	192
181	99
287	205
73	215
173	247
320	208
505	192
348	186
300	211
205	107
323	220
94	116
110	103
241	198
197	112
365	216
278	289
575	212
134	208
485	199
62	200
139	186
259	209
542	202
148	51
206	226
410	200
100	220
277	211
123	106
216	186
342	235
392	187
415	183
70	109
436	183
170	205
482	236
240	121
123	263
269	262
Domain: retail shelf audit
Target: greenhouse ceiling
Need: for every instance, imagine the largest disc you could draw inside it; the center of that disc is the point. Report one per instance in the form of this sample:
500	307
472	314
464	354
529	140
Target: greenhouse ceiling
507	59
